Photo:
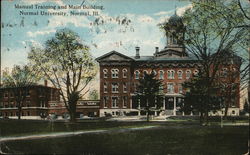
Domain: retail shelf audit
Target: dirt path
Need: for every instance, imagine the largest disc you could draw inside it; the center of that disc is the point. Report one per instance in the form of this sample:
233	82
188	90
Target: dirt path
67	134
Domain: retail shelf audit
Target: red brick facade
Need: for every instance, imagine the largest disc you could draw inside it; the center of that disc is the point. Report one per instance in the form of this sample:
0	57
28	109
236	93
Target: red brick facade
36	102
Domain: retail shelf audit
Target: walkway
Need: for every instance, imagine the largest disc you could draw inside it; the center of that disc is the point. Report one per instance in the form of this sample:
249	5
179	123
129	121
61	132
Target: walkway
68	134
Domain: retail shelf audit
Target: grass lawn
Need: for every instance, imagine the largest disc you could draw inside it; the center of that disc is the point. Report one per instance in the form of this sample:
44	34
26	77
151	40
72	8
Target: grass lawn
168	138
29	127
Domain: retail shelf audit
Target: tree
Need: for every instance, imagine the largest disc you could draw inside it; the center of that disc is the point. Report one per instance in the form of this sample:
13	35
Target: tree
213	29
18	81
67	64
197	99
147	91
246	107
93	95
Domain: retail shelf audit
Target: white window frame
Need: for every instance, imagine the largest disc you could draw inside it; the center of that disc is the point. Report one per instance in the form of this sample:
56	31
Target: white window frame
124	102
180	88
115	73
105	88
137	74
171	74
124	87
195	72
168	88
114	104
124	73
188	76
154	72
115	87
105	73
105	101
179	74
161	74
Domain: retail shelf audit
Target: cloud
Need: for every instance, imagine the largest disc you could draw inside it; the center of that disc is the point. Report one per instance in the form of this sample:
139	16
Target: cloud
42	32
163	13
180	11
145	34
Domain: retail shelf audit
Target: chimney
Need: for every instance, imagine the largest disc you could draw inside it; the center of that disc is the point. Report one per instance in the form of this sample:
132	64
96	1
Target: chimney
137	49
45	83
156	49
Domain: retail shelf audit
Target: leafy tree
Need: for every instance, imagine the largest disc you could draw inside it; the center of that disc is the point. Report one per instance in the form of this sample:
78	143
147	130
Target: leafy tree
67	64
18	81
147	91
213	30
246	107
197	99
93	95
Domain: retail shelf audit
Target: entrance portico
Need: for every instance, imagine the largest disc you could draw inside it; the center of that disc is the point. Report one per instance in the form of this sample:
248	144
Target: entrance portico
171	104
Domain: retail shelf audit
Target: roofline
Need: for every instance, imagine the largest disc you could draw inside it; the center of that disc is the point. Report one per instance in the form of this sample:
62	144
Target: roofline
112	52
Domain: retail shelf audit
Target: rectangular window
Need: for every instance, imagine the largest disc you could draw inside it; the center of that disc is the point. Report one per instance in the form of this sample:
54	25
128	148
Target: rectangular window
41	103
124	87
170	87
6	94
105	87
114	87
188	74
114	102
180	88
11	104
11	95
124	101
27	103
27	92
105	101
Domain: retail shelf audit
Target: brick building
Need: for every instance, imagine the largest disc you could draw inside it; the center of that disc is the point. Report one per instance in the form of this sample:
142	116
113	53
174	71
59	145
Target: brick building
119	75
88	108
42	100
36	102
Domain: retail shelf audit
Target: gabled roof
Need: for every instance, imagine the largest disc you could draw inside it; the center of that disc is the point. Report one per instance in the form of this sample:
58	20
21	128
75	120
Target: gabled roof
114	56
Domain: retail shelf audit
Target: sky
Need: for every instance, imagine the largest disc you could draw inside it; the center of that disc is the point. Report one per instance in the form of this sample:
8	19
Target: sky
120	25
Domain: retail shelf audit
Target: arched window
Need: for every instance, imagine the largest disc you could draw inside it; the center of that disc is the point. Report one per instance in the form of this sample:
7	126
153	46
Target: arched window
223	72
161	76
196	72
170	74
124	73
179	74
188	74
153	72
137	74
145	72
105	73
114	73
